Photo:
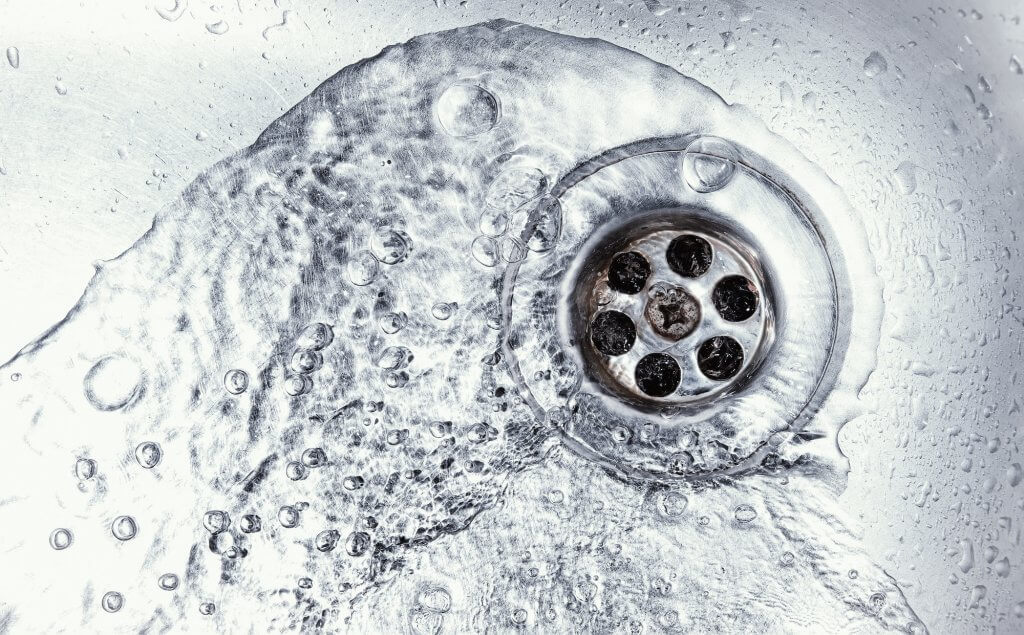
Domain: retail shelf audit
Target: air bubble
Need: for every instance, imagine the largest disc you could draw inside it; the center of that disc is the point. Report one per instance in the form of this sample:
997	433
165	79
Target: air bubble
306	361
316	336
61	539
236	381
216	521
168	582
148	454
744	513
512	189
440	429
393	322
314	457
296	385
720	358
363	268
112	383
465	110
658	375
485	251
296	471
250	524
357	543
390	246
395	357
112	601
443	310
327	540
511	250
709	164
220	27
613	333
735	298
207	608
85	469
628	272
689	256
672	504
875	64
124	528
288	516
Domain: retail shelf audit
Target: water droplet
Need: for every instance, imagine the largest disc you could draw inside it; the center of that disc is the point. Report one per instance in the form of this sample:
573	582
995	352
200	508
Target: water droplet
875	64
168	582
363	268
465	110
61	88
296	471
174	12
305	361
357	543
61	539
906	178
13	56
485	251
288	516
327	540
544	225
443	310
316	336
1016	66
85	469
112	601
207	608
148	454
236	381
390	246
744	513
112	383
314	457
250	524
220	27
124	528
216	521
393	322
709	164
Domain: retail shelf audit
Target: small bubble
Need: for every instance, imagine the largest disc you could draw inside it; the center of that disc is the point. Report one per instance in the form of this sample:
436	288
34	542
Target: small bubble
513	188
316	336
148	454
327	540
207	608
465	110
511	250
314	457
708	164
296	471
168	582
112	383
61	88
519	616
250	524
853	574
124	528
1016	66
363	268
787	559
393	322
305	583
174	12
306	361
288	516
390	246
85	469
236	381
394	437
220	27
112	601
435	600
61	539
357	543
13	56
296	385
744	513
440	429
875	64
216	521
485	251
15	376
394	358
396	379
443	310
352	482
672	504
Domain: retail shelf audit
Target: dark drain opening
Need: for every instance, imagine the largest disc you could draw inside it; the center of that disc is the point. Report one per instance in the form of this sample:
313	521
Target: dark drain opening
735	298
658	375
628	273
613	333
720	357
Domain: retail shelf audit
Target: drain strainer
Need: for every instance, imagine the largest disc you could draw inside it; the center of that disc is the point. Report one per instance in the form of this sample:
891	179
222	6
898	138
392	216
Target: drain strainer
687	313
678	315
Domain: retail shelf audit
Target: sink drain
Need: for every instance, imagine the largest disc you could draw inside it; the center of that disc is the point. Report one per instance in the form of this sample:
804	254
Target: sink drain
678	315
690	311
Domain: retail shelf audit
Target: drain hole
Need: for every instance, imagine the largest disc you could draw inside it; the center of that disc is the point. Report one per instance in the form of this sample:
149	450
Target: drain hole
628	272
613	333
672	312
720	357
735	297
689	255
658	375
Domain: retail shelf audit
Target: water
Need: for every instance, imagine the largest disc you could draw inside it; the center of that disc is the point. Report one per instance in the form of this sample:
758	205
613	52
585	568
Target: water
447	459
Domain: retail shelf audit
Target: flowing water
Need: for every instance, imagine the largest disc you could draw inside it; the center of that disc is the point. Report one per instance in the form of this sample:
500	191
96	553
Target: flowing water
351	379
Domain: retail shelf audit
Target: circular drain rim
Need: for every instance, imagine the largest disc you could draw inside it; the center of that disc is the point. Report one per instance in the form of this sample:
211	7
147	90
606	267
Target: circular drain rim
820	207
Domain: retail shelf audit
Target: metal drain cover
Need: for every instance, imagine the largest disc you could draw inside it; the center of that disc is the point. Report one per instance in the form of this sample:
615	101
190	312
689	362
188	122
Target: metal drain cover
687	313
